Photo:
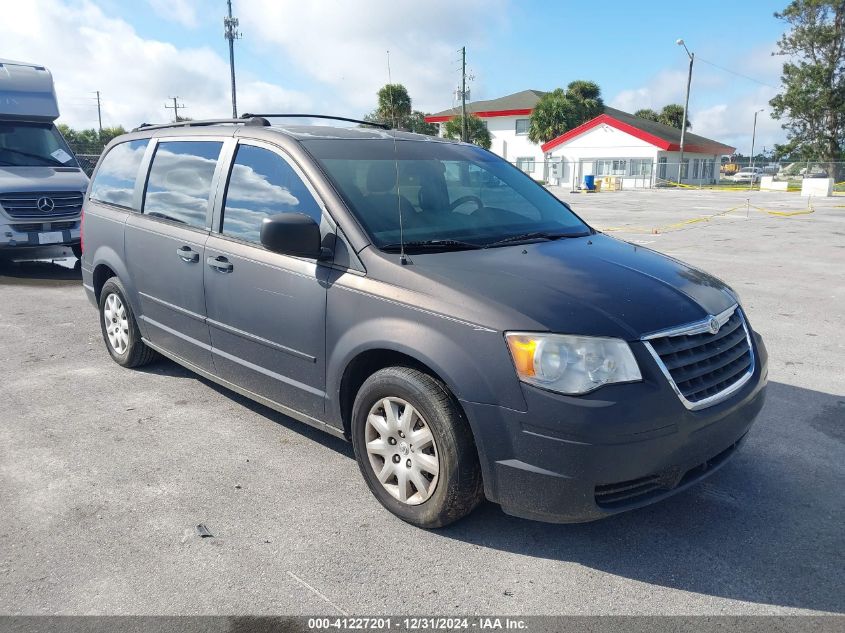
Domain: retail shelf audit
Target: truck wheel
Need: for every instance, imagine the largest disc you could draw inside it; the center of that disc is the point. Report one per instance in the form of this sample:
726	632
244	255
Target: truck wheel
120	332
415	448
77	250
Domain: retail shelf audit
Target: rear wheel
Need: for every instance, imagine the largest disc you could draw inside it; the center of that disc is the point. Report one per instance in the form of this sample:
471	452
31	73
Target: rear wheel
414	448
120	331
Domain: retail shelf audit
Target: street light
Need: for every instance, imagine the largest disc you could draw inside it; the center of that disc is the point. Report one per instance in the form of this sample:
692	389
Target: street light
753	138
691	56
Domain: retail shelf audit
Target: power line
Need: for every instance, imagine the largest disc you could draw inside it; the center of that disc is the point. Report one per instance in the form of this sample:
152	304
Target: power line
175	107
733	72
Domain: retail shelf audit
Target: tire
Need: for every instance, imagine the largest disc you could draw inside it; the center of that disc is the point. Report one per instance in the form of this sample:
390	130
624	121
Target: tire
121	335
77	250
378	419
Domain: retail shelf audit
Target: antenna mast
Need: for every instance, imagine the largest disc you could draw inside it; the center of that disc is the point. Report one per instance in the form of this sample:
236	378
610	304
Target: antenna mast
175	107
232	34
464	94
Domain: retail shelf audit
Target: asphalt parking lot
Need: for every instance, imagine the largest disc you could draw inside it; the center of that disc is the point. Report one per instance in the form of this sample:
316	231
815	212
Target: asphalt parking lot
105	472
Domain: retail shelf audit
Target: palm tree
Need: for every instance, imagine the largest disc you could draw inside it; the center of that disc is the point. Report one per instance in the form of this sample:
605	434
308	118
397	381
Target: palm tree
557	111
394	104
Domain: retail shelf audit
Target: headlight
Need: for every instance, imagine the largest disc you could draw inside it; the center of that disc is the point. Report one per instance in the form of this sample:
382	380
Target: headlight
571	364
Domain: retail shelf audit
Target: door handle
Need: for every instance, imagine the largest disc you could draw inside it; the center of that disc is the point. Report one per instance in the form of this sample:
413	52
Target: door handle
188	254
220	263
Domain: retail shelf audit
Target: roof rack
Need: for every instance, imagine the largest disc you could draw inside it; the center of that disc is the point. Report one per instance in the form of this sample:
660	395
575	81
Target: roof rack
379	124
244	120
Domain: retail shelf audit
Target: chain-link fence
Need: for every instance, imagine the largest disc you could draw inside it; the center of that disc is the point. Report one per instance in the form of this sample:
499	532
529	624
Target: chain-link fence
704	173
87	154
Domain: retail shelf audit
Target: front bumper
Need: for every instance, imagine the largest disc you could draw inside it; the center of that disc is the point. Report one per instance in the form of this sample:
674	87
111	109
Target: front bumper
572	459
33	234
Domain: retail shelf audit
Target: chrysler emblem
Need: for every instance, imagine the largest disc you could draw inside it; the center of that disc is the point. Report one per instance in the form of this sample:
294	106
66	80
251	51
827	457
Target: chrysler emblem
713	324
45	204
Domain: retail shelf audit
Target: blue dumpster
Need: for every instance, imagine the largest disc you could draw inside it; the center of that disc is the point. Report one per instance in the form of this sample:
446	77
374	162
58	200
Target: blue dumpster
590	182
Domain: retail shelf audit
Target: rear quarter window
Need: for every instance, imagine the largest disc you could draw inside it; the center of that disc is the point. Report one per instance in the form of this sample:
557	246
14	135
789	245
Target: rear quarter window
114	182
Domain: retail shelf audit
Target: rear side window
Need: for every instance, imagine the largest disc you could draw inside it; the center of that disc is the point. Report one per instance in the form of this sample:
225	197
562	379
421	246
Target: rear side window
261	184
180	181
115	179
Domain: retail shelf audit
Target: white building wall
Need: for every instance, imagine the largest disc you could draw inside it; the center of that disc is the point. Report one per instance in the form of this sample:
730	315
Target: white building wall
603	141
506	143
511	146
673	167
578	155
606	142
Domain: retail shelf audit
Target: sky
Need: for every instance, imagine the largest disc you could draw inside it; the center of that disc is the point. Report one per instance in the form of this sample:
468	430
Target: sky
331	56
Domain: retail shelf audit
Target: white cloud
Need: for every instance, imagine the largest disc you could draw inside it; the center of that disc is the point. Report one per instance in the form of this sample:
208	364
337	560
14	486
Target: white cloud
344	44
722	103
87	50
183	12
668	86
733	122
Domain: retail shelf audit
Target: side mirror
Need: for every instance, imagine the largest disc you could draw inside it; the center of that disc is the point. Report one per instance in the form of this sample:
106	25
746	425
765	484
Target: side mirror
294	234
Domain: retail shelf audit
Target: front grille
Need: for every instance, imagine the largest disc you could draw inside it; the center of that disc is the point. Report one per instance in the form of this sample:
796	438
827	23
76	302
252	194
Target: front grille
25	204
705	368
640	490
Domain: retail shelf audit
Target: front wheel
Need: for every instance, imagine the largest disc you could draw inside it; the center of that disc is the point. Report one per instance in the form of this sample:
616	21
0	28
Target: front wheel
415	448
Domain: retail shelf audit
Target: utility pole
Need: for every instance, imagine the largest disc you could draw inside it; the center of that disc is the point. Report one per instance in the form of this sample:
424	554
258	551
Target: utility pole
175	107
99	114
686	108
464	94
753	138
232	34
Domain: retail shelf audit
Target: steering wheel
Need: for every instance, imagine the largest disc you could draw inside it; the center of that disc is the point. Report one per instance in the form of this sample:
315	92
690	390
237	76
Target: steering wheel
479	204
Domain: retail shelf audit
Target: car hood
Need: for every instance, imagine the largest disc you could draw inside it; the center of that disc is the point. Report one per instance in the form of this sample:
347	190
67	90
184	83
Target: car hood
42	179
594	285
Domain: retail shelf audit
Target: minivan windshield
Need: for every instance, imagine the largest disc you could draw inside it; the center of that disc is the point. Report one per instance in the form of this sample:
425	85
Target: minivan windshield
33	145
450	196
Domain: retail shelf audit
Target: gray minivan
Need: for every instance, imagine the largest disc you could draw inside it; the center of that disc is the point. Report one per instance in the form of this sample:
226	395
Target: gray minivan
423	298
41	183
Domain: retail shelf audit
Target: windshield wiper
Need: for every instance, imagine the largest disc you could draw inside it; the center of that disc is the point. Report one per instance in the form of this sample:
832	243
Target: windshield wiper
533	235
450	245
48	159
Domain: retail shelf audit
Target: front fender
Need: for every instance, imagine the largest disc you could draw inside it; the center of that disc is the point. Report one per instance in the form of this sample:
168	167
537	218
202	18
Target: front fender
473	361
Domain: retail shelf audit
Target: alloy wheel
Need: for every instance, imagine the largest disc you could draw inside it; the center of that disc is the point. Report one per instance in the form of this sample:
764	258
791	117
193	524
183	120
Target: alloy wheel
402	450
116	321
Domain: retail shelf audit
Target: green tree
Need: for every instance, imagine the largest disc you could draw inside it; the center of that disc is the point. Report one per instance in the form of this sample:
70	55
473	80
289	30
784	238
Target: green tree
394	104
559	111
415	122
648	114
553	115
587	97
89	141
673	116
109	133
812	104
477	132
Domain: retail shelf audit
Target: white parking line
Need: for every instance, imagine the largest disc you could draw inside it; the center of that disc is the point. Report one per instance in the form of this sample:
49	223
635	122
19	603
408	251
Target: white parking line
307	586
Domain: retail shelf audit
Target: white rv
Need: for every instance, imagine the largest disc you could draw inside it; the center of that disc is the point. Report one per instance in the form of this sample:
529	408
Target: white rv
41	184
